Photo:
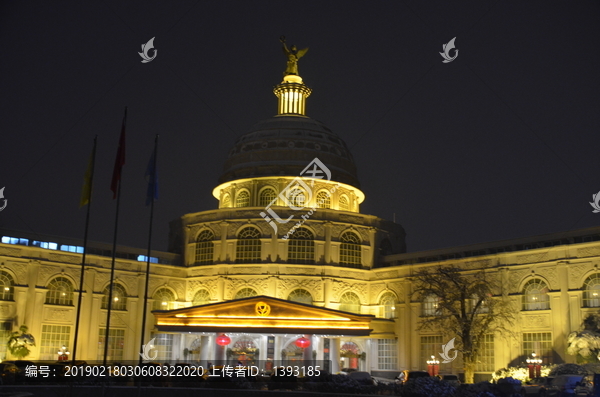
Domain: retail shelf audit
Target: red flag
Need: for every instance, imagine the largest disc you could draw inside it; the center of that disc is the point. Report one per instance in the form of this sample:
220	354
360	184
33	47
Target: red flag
120	160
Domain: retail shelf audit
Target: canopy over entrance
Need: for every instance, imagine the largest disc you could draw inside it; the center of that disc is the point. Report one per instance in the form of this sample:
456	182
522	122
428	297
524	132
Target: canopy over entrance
263	314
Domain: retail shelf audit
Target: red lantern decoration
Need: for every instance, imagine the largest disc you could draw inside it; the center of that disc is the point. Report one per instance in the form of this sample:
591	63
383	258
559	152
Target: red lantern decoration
302	342
223	340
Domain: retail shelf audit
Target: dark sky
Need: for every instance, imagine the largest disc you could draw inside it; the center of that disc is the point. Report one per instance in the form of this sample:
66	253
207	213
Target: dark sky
503	142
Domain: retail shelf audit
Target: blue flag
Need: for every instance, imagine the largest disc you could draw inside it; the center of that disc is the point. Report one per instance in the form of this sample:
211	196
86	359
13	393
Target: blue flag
152	178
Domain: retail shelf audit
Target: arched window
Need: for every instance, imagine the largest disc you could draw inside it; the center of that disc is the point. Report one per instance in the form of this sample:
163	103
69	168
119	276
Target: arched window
202	297
350	250
243	199
164	299
388	305
301	246
245	293
344	204
301	296
60	292
385	247
205	247
248	246
7	292
350	302
267	196
119	297
226	203
323	199
591	291
535	295
431	306
296	197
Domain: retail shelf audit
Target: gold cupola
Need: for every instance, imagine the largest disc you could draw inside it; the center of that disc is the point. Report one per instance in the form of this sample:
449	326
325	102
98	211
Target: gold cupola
292	92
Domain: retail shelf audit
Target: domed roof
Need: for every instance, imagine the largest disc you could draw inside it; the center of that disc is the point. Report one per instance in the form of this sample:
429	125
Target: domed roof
284	146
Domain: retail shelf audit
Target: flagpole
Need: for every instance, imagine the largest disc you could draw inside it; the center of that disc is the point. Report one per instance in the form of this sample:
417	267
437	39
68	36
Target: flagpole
117	178
152	196
85	241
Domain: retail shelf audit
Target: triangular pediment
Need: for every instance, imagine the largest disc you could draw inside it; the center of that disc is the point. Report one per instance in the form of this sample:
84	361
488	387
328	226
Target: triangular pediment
263	314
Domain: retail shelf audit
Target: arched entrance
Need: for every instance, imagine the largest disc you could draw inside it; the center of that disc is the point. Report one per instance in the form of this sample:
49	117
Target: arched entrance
292	353
350	353
243	350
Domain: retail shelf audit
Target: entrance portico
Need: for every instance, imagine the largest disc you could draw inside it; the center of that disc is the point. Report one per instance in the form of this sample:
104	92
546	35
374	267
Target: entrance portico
268	329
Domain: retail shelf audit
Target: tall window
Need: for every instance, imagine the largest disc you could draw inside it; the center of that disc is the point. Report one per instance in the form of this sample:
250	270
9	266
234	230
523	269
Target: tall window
301	246
267	196
591	291
6	287
226	203
301	296
535	295
5	333
164	299
431	306
54	337
296	197
243	199
431	345
119	297
350	302
539	343
485	357
344	205
248	246
350	250
60	292
245	293
164	346
323	199
388	305
116	340
205	247
202	297
387	354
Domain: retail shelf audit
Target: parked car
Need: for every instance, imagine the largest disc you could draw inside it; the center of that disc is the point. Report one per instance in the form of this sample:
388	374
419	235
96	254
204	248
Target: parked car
585	387
450	378
564	385
537	387
408	375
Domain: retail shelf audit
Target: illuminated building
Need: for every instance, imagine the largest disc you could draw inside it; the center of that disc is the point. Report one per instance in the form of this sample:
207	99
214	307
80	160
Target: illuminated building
341	280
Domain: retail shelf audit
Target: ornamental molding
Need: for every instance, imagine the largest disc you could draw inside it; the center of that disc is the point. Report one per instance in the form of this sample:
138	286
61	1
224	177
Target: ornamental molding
532	258
195	285
20	272
10	251
588	251
535	321
516	278
387	274
576	273
179	288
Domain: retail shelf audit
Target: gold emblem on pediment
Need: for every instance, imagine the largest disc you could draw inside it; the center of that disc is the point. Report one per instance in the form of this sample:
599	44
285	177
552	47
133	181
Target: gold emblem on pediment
262	309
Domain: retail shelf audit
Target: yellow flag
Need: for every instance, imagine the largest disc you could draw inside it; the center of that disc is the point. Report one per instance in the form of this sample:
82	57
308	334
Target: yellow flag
86	191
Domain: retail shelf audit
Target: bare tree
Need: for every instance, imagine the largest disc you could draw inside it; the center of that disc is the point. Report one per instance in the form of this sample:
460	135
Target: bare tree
467	305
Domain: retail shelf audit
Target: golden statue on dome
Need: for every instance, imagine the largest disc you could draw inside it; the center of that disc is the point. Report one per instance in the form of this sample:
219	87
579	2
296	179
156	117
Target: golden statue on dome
293	55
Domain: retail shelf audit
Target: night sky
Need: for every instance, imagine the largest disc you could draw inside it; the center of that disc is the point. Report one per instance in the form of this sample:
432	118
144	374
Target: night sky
501	143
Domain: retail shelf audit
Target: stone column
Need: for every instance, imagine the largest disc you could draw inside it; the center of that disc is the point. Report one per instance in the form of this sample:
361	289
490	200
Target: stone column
334	354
